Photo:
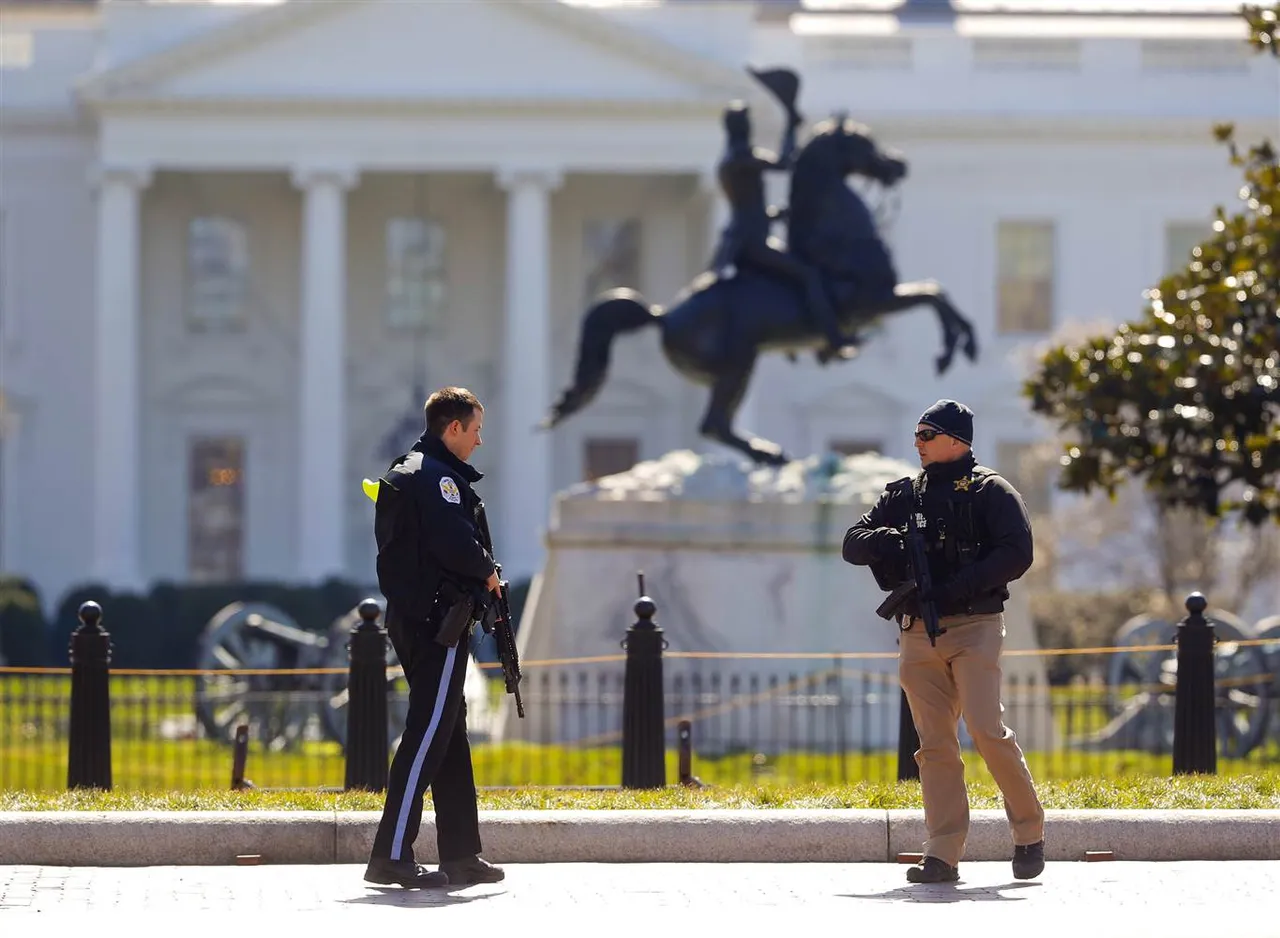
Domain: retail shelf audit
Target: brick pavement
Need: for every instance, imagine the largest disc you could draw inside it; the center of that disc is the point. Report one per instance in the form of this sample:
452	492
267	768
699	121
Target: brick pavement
1096	900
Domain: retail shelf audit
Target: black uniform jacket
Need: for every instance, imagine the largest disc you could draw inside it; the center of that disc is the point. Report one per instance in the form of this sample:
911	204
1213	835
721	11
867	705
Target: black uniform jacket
428	525
1002	530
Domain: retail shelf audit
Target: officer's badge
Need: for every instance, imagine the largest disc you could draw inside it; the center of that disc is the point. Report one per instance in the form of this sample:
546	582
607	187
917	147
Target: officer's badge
449	490
962	484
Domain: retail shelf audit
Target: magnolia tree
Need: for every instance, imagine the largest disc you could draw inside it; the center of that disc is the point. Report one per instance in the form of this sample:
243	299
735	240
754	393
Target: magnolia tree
1186	399
1264	27
1168	427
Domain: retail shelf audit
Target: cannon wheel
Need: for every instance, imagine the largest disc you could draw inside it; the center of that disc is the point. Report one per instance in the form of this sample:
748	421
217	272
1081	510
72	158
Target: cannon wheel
334	712
280	709
1131	673
1268	629
1141	679
1243	687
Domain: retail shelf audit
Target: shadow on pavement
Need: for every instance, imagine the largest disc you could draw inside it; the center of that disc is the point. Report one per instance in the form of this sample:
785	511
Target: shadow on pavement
946	892
416	898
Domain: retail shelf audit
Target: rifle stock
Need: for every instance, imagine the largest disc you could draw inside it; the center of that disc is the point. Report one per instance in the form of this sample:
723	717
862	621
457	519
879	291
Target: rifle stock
893	603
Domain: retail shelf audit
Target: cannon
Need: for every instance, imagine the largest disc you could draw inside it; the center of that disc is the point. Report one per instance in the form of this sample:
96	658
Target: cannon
274	680
1141	682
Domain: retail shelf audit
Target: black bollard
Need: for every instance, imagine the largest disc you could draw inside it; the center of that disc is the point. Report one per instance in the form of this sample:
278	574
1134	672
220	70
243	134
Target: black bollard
89	744
643	751
1195	743
367	742
908	743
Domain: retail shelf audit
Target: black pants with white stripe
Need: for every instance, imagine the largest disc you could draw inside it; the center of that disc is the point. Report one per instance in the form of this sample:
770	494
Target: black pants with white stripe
433	751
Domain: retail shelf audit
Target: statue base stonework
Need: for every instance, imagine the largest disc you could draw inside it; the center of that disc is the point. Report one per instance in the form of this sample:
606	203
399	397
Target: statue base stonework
743	562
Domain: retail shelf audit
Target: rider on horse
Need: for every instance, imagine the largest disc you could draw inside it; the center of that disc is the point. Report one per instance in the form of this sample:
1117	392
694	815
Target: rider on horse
745	239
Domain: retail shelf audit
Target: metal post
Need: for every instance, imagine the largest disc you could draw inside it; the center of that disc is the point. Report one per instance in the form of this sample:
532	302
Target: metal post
643	751
368	744
684	733
908	743
1195	744
89	745
240	758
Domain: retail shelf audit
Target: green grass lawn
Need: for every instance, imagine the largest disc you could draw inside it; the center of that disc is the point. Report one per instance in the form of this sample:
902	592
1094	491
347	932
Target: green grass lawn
1217	792
188	765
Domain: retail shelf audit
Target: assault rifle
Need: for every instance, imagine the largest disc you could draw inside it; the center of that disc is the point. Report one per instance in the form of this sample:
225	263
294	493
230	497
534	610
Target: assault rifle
919	581
497	622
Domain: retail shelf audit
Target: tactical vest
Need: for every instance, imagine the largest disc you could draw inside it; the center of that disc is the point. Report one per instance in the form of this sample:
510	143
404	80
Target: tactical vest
955	534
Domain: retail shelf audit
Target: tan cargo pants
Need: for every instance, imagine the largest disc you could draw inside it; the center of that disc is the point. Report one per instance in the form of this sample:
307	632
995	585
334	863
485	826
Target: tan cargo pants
962	676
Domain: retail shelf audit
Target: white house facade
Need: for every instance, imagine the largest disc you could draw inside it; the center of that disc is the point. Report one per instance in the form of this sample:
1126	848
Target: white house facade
240	241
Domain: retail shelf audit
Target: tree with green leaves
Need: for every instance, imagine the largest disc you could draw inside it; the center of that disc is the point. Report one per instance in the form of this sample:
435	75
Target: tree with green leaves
1187	398
1264	27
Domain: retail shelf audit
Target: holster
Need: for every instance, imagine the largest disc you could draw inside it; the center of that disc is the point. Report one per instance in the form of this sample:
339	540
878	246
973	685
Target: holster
456	622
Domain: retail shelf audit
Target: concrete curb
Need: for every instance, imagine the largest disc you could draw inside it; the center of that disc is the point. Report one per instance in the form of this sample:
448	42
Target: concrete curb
211	838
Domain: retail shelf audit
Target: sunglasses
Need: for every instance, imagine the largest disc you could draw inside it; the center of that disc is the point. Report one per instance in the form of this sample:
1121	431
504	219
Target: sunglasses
927	434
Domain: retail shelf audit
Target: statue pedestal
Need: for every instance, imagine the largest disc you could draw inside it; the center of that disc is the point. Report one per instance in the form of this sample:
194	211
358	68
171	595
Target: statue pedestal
785	650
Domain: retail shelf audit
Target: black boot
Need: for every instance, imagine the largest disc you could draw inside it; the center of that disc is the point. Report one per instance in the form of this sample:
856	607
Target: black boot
470	871
1028	861
387	872
933	870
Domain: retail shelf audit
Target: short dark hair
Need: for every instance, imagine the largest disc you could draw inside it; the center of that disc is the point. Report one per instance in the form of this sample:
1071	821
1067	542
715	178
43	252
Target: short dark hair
446	405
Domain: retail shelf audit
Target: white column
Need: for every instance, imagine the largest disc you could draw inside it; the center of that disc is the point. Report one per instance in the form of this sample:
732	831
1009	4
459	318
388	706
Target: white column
322	412
116	458
526	385
11	525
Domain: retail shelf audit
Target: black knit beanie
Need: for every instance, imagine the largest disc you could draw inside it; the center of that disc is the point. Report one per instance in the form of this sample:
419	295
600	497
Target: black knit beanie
951	418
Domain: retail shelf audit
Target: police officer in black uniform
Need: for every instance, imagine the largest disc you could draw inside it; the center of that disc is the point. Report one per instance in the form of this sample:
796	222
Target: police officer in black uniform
434	558
977	538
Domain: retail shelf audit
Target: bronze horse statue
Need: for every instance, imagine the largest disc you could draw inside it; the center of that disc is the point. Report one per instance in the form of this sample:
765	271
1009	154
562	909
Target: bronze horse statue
718	326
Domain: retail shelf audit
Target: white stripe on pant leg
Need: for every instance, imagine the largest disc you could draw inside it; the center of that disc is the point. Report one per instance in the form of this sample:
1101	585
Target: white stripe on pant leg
446	678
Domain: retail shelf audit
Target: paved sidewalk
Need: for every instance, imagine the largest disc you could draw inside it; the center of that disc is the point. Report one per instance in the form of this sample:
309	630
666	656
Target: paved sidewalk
1097	900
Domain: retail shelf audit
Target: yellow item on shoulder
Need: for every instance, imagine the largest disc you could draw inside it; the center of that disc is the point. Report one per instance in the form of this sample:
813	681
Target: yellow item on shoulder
371	489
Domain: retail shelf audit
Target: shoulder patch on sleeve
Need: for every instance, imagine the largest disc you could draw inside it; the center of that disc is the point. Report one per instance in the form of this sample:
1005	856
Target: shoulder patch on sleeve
449	490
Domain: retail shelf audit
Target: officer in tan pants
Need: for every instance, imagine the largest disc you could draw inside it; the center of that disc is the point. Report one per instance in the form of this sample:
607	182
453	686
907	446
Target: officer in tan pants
978	539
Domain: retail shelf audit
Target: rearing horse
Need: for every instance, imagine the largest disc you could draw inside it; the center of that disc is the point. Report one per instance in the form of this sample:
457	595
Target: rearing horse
717	327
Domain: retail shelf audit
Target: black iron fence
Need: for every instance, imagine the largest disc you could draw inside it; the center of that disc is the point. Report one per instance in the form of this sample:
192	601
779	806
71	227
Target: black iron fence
798	718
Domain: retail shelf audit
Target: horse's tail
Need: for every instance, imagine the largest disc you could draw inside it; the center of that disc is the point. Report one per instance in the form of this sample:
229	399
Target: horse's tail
618	312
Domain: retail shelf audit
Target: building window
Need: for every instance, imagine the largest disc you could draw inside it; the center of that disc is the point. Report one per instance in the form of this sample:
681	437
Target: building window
1024	274
859	52
1001	54
215	510
611	256
416	285
1179	240
1023	464
853	446
16	50
1196	55
606	456
217	274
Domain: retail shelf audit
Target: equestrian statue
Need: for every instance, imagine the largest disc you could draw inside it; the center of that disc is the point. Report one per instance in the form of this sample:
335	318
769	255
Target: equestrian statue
835	277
